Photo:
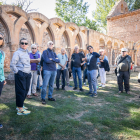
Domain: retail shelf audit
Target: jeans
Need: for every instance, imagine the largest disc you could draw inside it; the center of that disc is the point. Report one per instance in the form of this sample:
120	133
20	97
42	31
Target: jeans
48	78
59	72
79	73
22	84
123	76
85	75
92	80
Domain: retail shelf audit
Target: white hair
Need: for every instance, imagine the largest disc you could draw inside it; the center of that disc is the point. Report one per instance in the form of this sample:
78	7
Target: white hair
101	50
49	42
63	49
76	47
33	45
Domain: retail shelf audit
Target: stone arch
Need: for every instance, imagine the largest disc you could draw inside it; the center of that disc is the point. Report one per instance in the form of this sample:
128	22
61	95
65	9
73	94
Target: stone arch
101	43
108	50
78	41
121	46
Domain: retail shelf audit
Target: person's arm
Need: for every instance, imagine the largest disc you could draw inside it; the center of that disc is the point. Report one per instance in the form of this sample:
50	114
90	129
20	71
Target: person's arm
46	59
56	60
83	63
34	60
14	61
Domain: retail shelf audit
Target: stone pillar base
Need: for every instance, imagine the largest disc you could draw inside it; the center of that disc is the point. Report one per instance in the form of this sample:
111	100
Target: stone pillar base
11	79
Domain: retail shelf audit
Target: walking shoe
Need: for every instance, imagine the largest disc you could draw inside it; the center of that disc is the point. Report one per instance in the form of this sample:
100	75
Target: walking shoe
81	89
94	95
51	99
103	85
23	108
57	89
89	93
120	92
23	112
63	88
127	92
1	126
100	85
74	88
43	101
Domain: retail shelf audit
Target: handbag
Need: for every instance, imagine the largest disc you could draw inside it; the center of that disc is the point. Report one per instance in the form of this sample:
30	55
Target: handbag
119	63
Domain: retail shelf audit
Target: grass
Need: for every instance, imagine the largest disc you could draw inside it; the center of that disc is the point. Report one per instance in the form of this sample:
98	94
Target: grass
110	116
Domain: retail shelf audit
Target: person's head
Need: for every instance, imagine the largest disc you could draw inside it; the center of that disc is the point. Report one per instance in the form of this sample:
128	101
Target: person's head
34	48
1	40
23	43
63	51
76	49
101	52
124	51
50	45
90	49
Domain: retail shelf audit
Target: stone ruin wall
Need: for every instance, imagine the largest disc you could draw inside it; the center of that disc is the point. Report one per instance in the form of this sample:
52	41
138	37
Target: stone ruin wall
15	24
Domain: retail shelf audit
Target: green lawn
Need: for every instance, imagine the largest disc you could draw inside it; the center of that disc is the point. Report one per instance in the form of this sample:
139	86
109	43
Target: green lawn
75	116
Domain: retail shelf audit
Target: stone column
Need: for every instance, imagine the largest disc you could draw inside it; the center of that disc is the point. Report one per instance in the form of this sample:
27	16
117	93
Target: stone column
11	79
135	55
110	63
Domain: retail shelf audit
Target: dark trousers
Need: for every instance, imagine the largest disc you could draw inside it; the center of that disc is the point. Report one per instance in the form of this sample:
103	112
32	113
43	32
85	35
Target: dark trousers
123	76
84	75
22	84
59	72
1	86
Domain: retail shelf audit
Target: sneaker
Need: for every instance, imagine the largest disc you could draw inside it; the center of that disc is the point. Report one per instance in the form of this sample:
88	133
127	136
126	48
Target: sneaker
23	108
63	88
51	99
1	126
120	92
81	89
57	89
100	85
74	88
94	95
89	93
103	85
43	101
23	112
127	92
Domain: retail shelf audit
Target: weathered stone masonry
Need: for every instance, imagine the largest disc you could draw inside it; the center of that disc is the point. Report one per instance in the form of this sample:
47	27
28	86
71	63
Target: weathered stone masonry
16	23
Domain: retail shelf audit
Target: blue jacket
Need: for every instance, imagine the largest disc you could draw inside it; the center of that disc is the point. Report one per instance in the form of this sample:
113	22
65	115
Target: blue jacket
2	57
48	64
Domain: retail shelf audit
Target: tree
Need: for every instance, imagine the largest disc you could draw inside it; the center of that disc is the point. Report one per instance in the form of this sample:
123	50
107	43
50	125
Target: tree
74	11
105	6
24	5
102	10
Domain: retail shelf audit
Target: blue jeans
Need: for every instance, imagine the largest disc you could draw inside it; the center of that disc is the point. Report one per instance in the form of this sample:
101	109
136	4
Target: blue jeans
79	73
92	80
48	77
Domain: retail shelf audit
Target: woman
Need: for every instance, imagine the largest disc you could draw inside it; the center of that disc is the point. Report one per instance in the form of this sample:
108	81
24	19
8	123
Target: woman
2	57
33	55
102	67
20	65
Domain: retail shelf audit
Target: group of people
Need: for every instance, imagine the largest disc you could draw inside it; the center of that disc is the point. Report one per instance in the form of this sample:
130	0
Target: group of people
32	69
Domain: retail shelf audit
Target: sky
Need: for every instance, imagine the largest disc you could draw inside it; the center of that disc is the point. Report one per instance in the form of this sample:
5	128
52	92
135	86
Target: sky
47	7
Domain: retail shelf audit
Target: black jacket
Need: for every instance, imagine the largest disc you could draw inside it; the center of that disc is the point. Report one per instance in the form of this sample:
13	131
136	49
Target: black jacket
106	65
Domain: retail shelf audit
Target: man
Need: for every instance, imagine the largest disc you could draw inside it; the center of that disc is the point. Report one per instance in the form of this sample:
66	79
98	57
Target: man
92	71
49	59
76	63
34	71
123	62
61	69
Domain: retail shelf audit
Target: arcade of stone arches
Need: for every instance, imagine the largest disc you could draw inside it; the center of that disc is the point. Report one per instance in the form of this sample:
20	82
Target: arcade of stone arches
16	23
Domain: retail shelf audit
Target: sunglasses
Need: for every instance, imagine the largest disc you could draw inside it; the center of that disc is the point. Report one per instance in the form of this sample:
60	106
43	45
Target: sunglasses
34	48
1	38
51	44
22	43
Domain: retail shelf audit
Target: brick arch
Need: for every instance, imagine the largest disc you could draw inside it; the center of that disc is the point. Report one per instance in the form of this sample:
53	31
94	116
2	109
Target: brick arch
137	44
101	43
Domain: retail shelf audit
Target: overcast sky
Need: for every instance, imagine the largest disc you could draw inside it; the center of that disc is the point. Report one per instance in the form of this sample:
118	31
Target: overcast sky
47	7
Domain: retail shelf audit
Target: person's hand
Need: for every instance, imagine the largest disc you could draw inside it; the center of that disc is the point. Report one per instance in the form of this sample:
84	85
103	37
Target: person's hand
56	58
101	61
50	58
41	69
4	83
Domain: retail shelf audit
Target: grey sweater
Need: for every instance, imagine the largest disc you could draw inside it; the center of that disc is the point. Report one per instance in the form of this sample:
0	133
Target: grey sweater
21	61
